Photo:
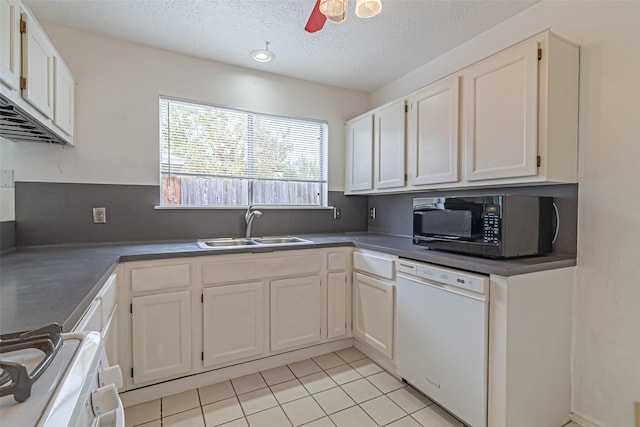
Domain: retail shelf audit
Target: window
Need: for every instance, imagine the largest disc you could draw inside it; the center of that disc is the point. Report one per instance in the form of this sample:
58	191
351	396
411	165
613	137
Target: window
212	156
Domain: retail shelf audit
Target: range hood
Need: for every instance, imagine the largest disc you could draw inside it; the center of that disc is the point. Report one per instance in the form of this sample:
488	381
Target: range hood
17	125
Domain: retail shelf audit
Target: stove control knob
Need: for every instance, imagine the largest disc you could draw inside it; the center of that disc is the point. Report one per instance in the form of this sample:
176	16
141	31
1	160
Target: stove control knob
111	375
110	419
104	399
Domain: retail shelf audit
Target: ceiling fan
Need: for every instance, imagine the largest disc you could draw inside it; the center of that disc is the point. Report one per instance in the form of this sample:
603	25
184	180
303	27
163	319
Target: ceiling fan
336	12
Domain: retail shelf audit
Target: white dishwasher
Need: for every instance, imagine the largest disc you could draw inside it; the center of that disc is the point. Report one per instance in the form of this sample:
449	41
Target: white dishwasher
442	336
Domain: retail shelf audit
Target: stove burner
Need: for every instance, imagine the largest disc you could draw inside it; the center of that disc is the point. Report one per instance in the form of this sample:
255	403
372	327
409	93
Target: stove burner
47	339
5	378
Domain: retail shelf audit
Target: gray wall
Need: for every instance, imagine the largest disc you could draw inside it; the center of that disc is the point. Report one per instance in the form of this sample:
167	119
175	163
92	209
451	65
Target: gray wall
394	212
59	213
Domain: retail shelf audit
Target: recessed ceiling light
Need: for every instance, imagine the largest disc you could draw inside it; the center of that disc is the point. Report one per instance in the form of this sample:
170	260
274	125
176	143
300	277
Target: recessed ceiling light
262	55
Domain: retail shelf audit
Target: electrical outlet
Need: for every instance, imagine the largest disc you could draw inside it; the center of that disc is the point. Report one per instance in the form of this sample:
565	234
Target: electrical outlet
99	215
372	213
337	213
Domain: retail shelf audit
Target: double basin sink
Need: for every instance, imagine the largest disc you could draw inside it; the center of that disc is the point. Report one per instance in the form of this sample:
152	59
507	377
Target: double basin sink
254	241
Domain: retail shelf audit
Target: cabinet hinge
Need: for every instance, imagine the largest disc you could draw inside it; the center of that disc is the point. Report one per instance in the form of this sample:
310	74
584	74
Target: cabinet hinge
539	54
202	356
406	178
23	82
538	161
202	298
131	372
23	26
131	308
406	108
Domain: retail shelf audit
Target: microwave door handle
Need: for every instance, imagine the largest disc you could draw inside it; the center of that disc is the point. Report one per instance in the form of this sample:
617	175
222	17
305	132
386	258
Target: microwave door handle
421	211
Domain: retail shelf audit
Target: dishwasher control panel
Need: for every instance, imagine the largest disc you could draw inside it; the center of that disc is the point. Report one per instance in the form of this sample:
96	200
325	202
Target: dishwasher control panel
446	276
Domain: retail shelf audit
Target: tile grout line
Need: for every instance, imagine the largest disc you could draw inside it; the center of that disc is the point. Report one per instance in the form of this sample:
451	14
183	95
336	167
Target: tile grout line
312	395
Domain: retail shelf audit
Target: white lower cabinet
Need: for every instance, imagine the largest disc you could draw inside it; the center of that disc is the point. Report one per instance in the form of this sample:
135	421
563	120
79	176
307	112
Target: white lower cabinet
295	312
161	332
337	304
232	322
373	313
187	316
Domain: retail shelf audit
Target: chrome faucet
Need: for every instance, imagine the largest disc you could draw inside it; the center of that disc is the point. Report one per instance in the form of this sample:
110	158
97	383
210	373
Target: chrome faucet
249	216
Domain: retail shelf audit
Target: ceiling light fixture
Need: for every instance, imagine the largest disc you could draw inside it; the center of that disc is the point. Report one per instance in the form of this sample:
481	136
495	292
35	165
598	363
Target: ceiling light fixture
336	10
263	55
368	8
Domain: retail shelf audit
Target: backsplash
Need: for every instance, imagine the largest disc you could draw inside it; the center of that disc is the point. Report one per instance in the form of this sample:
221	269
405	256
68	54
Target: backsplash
7	236
394	211
60	213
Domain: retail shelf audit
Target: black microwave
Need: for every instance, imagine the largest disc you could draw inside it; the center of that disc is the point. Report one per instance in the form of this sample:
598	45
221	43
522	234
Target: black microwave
496	226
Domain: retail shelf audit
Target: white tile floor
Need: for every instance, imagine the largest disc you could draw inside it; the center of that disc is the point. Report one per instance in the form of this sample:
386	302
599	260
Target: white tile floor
343	389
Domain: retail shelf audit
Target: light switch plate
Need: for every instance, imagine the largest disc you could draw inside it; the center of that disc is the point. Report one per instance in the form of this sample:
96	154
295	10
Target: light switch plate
6	178
337	213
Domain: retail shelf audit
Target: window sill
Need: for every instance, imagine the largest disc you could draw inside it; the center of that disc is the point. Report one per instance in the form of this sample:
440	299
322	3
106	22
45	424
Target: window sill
262	207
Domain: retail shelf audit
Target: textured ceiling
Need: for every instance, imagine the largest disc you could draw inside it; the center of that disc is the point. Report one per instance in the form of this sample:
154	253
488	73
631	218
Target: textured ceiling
360	54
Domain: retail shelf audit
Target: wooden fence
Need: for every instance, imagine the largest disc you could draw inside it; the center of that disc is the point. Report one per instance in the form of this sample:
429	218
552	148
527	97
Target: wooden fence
206	191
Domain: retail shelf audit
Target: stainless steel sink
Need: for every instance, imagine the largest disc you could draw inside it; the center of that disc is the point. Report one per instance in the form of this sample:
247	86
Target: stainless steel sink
257	241
225	243
278	240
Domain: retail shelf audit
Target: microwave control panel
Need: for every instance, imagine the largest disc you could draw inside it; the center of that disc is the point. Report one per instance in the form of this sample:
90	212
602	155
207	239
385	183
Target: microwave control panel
491	224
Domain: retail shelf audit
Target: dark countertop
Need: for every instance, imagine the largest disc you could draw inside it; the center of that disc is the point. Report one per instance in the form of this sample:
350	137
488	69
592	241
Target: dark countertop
40	285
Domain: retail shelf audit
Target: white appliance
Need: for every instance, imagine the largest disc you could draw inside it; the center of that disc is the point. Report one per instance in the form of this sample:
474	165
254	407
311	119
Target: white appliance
442	336
69	384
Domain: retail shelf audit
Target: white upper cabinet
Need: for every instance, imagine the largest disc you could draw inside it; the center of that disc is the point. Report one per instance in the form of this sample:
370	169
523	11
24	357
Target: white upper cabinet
501	115
521	114
34	78
37	64
10	43
389	146
64	95
359	154
517	112
432	133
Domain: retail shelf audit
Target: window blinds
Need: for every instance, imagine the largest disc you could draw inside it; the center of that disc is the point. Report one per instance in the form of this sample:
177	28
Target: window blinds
260	158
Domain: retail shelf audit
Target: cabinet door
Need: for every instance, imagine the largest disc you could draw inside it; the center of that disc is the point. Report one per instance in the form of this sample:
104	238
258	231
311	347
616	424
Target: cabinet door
10	43
433	133
390	130
501	115
359	159
233	322
373	313
337	304
37	67
161	336
64	111
295	312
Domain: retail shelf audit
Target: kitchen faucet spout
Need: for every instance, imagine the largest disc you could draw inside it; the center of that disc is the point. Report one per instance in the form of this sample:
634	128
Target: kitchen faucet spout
249	216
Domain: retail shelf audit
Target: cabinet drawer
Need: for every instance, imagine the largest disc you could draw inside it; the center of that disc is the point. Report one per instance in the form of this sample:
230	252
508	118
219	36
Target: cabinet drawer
337	261
250	268
375	264
145	279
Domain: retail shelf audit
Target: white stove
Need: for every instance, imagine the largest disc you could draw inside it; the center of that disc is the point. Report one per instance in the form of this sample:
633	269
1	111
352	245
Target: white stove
77	388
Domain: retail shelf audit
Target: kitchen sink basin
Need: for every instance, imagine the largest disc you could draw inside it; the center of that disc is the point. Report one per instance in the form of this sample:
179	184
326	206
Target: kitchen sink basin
279	240
257	241
225	243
